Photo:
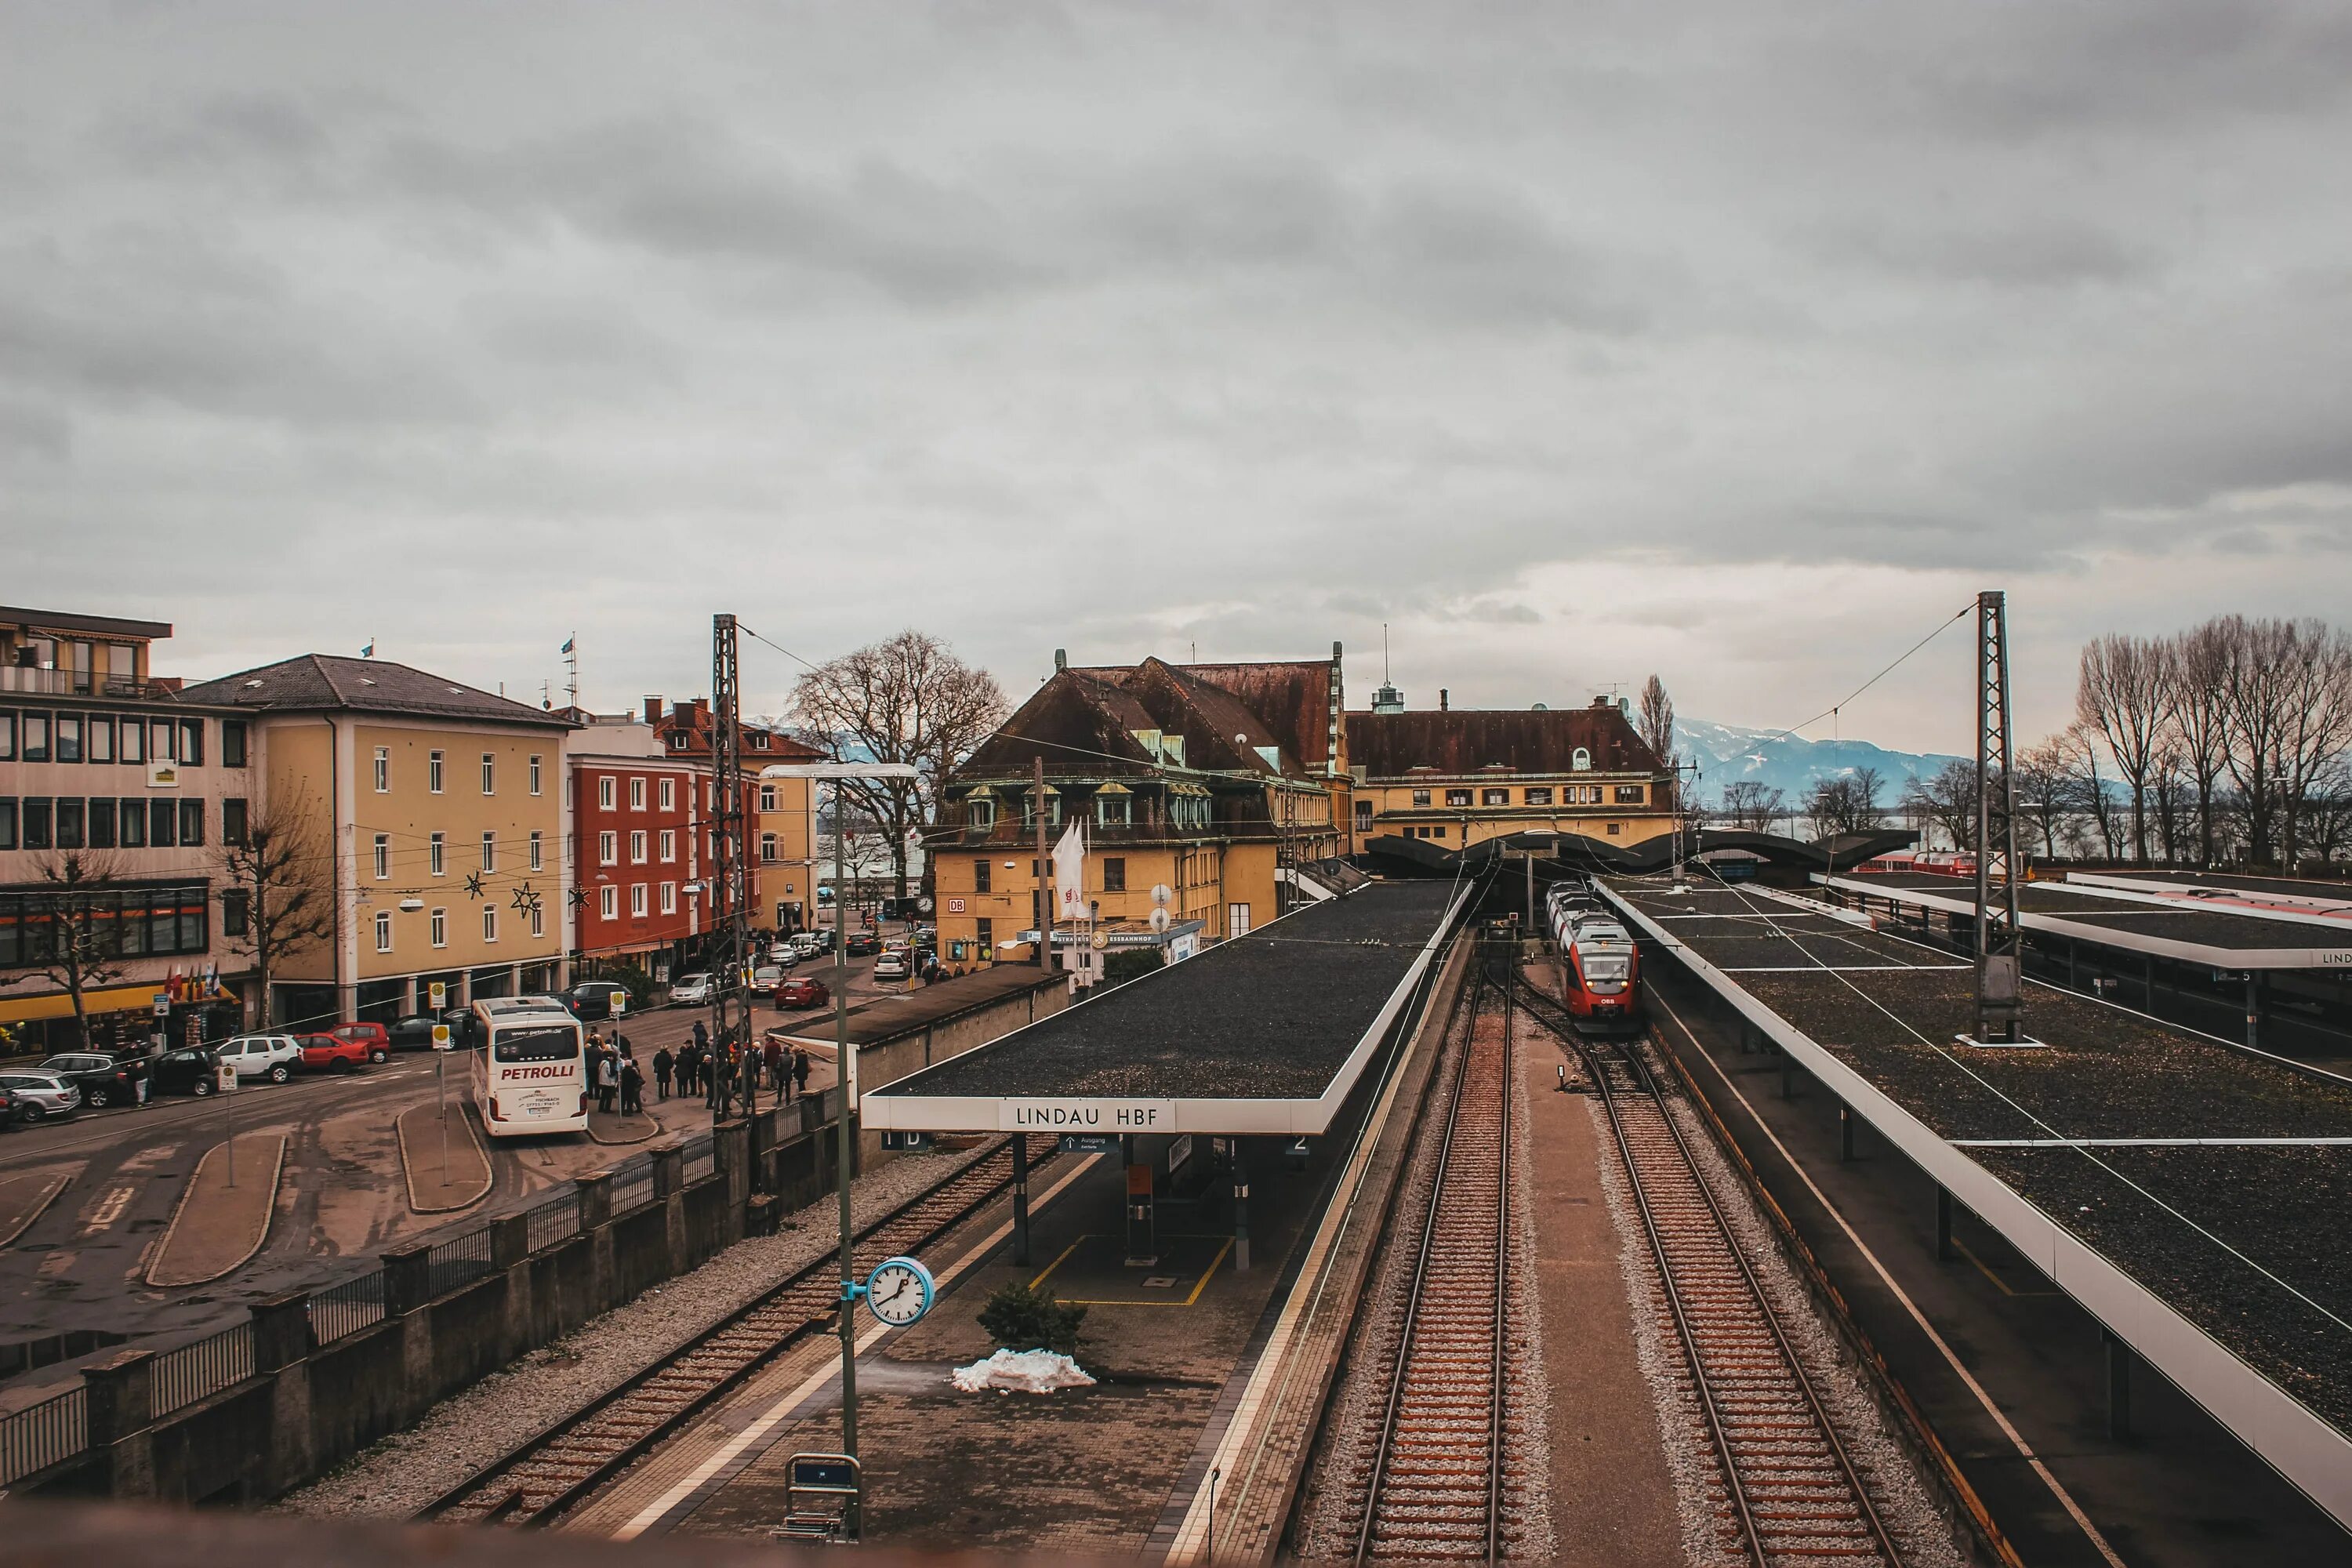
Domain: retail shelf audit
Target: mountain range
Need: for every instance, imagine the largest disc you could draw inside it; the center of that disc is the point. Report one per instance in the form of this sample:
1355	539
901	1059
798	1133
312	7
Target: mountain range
1727	754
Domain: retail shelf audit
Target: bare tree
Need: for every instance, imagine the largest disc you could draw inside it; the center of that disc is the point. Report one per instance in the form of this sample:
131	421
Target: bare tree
277	893
2318	727
904	700
2257	693
2044	796
1839	806
1656	721
2125	693
2199	726
1753	805
74	938
2092	797
1947	798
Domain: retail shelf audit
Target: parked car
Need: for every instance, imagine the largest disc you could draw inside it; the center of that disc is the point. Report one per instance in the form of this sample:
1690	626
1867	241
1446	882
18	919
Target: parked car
803	991
864	944
103	1080
784	954
374	1036
690	991
270	1056
896	965
323	1052
414	1033
767	977
11	1113
39	1096
593	999
192	1069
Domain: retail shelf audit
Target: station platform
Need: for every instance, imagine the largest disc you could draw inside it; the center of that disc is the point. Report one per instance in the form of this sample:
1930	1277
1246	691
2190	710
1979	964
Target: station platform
2165	1180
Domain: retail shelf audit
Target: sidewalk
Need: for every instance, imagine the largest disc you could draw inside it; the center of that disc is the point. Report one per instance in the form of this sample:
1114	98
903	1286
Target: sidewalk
443	1173
218	1226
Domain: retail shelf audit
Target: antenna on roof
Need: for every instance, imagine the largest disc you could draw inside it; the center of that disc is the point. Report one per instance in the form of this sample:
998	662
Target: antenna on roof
1385	676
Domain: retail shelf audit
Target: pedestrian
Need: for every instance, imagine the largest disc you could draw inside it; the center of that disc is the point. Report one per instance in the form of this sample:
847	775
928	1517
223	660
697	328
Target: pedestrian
800	1071
701	1037
771	1059
663	1063
633	1087
608	1083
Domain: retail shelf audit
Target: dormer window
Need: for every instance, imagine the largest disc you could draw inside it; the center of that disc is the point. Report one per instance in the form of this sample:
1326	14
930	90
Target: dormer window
1582	760
1114	807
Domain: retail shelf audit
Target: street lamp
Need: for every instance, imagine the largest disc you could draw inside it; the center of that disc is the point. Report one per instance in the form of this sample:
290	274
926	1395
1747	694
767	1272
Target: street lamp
845	1059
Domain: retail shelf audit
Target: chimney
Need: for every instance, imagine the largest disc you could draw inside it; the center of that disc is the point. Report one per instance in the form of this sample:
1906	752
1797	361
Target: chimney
1441	699
1061	659
653	709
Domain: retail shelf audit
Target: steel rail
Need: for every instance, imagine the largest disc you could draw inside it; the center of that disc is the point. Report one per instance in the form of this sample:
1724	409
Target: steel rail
1736	1488
505	1507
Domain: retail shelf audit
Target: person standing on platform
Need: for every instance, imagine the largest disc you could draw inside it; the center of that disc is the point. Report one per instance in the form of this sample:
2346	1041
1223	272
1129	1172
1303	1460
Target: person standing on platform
800	1071
633	1087
663	1063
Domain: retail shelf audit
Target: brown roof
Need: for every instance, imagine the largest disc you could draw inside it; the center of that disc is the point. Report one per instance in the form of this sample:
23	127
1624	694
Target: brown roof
1083	721
1462	741
1290	698
95	626
327	682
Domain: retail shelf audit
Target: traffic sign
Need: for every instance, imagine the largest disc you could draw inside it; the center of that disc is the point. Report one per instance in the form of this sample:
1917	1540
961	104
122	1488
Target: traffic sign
163	1004
441	1036
437	994
225	1077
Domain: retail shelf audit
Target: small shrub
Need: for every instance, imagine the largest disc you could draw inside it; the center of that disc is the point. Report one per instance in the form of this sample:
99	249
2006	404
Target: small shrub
1020	1318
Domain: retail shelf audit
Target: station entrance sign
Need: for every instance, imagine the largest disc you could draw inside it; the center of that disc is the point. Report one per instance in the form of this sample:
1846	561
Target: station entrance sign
1058	1114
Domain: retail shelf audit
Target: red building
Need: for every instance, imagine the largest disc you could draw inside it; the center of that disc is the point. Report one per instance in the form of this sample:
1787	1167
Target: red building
640	845
778	818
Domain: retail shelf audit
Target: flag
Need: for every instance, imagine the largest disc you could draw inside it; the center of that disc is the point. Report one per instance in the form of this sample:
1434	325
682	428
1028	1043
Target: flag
1070	874
568	642
369	651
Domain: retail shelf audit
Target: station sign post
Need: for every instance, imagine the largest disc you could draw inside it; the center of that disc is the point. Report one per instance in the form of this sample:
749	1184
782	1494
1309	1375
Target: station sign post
441	1045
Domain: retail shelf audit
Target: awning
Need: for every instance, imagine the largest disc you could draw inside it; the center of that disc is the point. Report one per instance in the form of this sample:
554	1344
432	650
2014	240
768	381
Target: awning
110	999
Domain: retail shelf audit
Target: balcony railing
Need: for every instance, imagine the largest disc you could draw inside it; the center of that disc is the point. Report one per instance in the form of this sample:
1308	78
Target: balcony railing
67	682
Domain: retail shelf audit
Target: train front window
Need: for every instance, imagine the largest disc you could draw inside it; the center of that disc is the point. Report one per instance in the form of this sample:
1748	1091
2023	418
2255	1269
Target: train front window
552	1043
1604	969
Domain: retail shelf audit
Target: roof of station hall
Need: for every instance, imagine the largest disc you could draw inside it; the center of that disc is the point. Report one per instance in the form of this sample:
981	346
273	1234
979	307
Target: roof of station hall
1283	1015
1086	719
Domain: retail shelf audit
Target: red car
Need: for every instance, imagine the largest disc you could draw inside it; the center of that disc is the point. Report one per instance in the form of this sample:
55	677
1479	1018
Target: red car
321	1053
374	1036
803	991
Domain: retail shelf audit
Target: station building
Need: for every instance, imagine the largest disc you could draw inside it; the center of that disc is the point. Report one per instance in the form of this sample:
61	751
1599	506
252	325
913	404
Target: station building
441	814
1455	777
1182	781
115	802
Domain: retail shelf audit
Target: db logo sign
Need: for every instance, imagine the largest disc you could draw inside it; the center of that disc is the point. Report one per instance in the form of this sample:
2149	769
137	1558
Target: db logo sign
955	906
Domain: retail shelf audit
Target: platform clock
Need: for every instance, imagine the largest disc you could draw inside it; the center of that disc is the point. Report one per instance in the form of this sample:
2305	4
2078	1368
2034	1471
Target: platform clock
899	1291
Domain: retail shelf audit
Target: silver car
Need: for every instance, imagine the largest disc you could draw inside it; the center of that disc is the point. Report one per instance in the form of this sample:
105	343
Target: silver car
40	1095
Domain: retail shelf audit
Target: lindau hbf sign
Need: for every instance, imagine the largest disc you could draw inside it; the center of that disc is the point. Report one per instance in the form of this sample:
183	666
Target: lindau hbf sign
1058	1114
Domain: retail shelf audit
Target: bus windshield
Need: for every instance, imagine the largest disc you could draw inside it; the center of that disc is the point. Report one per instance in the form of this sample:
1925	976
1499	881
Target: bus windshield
544	1043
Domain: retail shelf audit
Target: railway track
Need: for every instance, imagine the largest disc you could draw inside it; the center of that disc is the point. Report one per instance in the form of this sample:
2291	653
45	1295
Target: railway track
560	1466
1435	1482
1791	1492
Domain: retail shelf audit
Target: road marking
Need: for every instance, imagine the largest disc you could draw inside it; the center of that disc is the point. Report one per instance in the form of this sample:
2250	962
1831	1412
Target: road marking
775	1414
110	1209
55	1264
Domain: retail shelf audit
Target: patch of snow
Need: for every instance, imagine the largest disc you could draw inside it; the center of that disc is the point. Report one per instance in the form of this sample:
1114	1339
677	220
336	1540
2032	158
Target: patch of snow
1020	1372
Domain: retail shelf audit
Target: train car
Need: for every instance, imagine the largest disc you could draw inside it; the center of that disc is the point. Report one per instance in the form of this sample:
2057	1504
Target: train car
1601	977
1925	862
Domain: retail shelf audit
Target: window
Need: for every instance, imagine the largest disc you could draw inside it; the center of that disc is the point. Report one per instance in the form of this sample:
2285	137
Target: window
191	742
489	851
608	903
161	747
101	825
981	813
760	741
7	737
36	737
979	871
1111	810
101	742
163	825
1493	797
1629	794
383	931
1539	794
677	740
1581	761
1438	833
767	797
233	906
1114	874
70	818
608	848
637	793
669	844
637	846
534	772
7	822
232	744
669	898
490	772
767	849
1237	920
192	822
1457	797
637	900
67	748
490	923
133	825
232	821
1363	816
668	795
1615	828
440	927
435	857
983	931
384	770
134	742
384	856
538	856
433	772
604	792
539	919
1421	797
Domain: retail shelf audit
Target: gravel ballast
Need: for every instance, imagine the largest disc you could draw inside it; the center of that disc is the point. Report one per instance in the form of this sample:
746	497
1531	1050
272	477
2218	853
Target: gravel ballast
404	1472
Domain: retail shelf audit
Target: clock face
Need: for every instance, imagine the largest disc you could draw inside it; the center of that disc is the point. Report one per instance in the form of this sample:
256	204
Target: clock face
899	1291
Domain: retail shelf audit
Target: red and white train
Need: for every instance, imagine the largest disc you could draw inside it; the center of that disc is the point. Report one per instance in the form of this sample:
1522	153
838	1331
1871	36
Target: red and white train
1600	967
1925	862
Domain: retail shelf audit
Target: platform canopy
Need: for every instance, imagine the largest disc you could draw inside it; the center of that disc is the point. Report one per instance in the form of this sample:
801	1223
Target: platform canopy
1267	1033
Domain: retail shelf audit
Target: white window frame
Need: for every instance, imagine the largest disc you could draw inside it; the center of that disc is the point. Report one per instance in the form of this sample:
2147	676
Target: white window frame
437	854
669	844
607	790
608	848
636	846
767	850
383	931
384	770
637	793
537	849
637	899
668	795
490	772
534	772
382	857
608	901
440	927
669	898
489	851
433	772
767	797
538	920
490	923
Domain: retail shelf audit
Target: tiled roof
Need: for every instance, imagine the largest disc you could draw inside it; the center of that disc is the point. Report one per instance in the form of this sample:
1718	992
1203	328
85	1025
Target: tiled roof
326	682
1463	741
1291	697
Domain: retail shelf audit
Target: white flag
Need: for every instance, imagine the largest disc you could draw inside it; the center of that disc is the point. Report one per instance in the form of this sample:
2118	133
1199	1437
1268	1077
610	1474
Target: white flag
1070	874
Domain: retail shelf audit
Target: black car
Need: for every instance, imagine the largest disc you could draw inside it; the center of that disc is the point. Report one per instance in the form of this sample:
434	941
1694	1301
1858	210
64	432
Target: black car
591	1000
414	1033
194	1069
865	943
103	1080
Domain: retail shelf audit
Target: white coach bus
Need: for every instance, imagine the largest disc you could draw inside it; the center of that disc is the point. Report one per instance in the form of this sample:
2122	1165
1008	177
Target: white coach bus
531	1070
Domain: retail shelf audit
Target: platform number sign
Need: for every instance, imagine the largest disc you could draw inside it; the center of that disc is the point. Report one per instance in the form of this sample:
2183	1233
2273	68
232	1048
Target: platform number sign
899	1291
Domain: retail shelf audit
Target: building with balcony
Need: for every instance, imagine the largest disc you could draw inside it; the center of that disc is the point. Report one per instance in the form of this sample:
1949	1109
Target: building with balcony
1180	782
440	814
115	802
1455	776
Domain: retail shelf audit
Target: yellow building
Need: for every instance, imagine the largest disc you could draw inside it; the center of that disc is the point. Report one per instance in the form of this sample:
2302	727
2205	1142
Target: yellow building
1181	785
1453	777
444	813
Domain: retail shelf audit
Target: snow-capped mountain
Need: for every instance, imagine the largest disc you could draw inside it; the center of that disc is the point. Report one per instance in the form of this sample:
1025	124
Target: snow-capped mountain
1727	754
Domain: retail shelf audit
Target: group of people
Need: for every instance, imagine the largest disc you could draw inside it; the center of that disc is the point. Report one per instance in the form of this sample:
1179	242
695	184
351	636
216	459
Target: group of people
719	1072
614	1076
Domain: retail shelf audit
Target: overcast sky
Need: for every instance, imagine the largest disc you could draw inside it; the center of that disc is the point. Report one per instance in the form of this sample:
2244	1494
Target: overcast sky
1742	342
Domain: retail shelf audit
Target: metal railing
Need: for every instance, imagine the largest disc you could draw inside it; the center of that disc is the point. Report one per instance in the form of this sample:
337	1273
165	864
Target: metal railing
632	1187
67	682
42	1434
346	1308
200	1369
701	1160
555	1220
458	1261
